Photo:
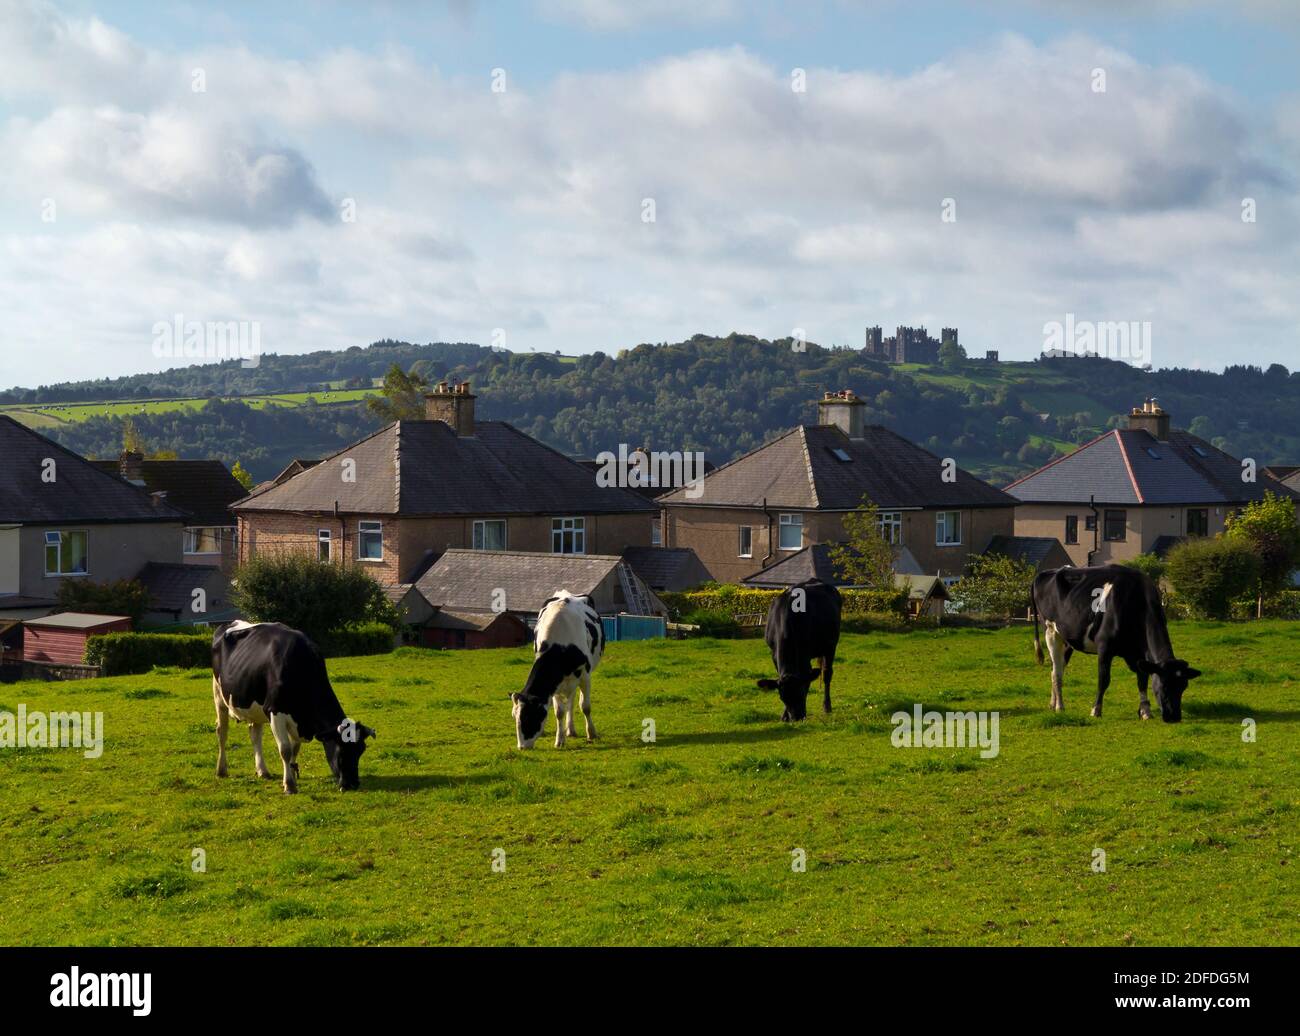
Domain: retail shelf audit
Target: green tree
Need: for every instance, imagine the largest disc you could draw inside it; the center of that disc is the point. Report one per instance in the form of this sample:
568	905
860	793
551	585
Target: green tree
401	397
1209	574
1269	527
866	558
1150	565
242	476
951	355
995	584
123	597
315	597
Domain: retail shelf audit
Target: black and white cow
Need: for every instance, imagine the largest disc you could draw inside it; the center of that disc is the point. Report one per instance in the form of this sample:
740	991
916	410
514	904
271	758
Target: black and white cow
1112	612
803	624
268	673
566	648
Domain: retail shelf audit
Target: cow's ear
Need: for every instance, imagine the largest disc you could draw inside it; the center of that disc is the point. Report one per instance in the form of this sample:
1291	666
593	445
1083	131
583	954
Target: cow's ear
515	697
368	732
768	685
1192	674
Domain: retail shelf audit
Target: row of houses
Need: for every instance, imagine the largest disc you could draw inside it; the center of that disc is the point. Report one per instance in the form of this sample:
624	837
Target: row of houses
471	524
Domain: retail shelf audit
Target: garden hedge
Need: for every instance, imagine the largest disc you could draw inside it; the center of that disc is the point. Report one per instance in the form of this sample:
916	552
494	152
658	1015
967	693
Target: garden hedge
743	600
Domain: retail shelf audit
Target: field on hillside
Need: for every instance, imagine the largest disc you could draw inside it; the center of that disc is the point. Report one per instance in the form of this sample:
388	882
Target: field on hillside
51	415
688	840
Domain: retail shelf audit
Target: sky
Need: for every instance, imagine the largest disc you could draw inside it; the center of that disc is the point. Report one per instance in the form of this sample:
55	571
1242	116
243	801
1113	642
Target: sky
578	175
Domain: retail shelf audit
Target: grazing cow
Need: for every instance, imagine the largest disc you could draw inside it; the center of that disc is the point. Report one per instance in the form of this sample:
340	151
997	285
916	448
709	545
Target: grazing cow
1112	612
566	648
803	624
268	673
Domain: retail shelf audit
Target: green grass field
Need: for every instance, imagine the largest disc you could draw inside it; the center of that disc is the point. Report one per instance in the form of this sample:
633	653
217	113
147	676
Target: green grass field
688	840
51	415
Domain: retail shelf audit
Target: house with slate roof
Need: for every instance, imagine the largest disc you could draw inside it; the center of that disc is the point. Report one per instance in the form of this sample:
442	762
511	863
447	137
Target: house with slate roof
62	518
1137	490
796	490
398	499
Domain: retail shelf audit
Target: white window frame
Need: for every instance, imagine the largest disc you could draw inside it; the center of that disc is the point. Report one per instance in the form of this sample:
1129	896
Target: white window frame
890	524
324	538
480	533
370	528
942	531
744	541
656	534
191	540
789	521
575	529
58	544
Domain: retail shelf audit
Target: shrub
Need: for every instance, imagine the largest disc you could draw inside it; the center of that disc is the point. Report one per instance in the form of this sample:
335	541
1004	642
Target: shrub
1209	574
308	595
1150	565
1269	527
995	584
371	638
119	654
743	600
124	597
713	623
1283	605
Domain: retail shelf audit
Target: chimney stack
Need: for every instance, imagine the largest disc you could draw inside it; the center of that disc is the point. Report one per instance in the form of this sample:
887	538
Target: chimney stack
131	466
453	405
1151	417
844	410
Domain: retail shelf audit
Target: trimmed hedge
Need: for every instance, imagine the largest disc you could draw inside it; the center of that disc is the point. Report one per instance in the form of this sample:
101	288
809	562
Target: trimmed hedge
119	654
370	638
743	600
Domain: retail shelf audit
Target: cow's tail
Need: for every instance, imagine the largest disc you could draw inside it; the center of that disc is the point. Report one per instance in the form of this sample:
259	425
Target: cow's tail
1038	644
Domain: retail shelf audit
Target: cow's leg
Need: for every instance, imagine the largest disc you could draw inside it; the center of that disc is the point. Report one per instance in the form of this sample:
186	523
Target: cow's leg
828	665
1144	706
284	741
259	761
560	719
586	706
1103	680
1058	649
223	726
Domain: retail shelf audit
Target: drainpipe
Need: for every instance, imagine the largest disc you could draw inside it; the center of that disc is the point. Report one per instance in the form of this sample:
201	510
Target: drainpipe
1096	527
768	513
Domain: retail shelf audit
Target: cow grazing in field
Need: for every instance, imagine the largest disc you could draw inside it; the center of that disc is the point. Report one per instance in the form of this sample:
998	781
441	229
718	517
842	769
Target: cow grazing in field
1112	612
566	648
268	673
803	624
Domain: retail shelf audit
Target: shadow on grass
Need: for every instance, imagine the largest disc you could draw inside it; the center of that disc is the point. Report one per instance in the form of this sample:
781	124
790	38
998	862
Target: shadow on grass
1235	711
425	782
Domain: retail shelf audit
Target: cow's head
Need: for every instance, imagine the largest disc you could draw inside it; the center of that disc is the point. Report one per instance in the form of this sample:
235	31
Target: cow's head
343	753
793	690
530	714
1169	680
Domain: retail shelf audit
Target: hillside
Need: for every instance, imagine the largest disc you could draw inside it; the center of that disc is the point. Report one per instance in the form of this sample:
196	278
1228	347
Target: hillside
720	395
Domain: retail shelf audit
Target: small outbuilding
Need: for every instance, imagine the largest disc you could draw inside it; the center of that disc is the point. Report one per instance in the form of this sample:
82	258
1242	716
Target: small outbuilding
461	628
61	639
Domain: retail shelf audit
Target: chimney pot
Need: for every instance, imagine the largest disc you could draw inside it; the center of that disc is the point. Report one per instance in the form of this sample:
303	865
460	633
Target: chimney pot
452	405
1152	418
844	410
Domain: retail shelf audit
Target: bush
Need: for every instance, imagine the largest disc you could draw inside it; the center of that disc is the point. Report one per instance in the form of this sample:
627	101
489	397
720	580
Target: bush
995	585
119	654
715	622
1284	605
744	600
1150	565
124	597
1209	574
306	594
372	638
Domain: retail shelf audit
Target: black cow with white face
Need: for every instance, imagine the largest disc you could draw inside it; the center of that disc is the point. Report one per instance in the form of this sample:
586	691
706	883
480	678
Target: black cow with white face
1112	612
268	673
803	626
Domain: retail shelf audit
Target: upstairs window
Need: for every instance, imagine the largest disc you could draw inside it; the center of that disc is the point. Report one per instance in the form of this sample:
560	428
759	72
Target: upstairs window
1198	521
1116	528
791	532
1071	528
65	554
891	526
746	546
947	529
370	541
568	536
490	535
322	544
202	541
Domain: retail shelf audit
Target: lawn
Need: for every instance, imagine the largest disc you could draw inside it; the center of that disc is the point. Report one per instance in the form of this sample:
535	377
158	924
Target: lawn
51	415
688	840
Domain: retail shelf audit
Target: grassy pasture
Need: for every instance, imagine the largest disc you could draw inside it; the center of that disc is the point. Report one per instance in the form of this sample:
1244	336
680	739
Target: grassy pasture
52	415
687	840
